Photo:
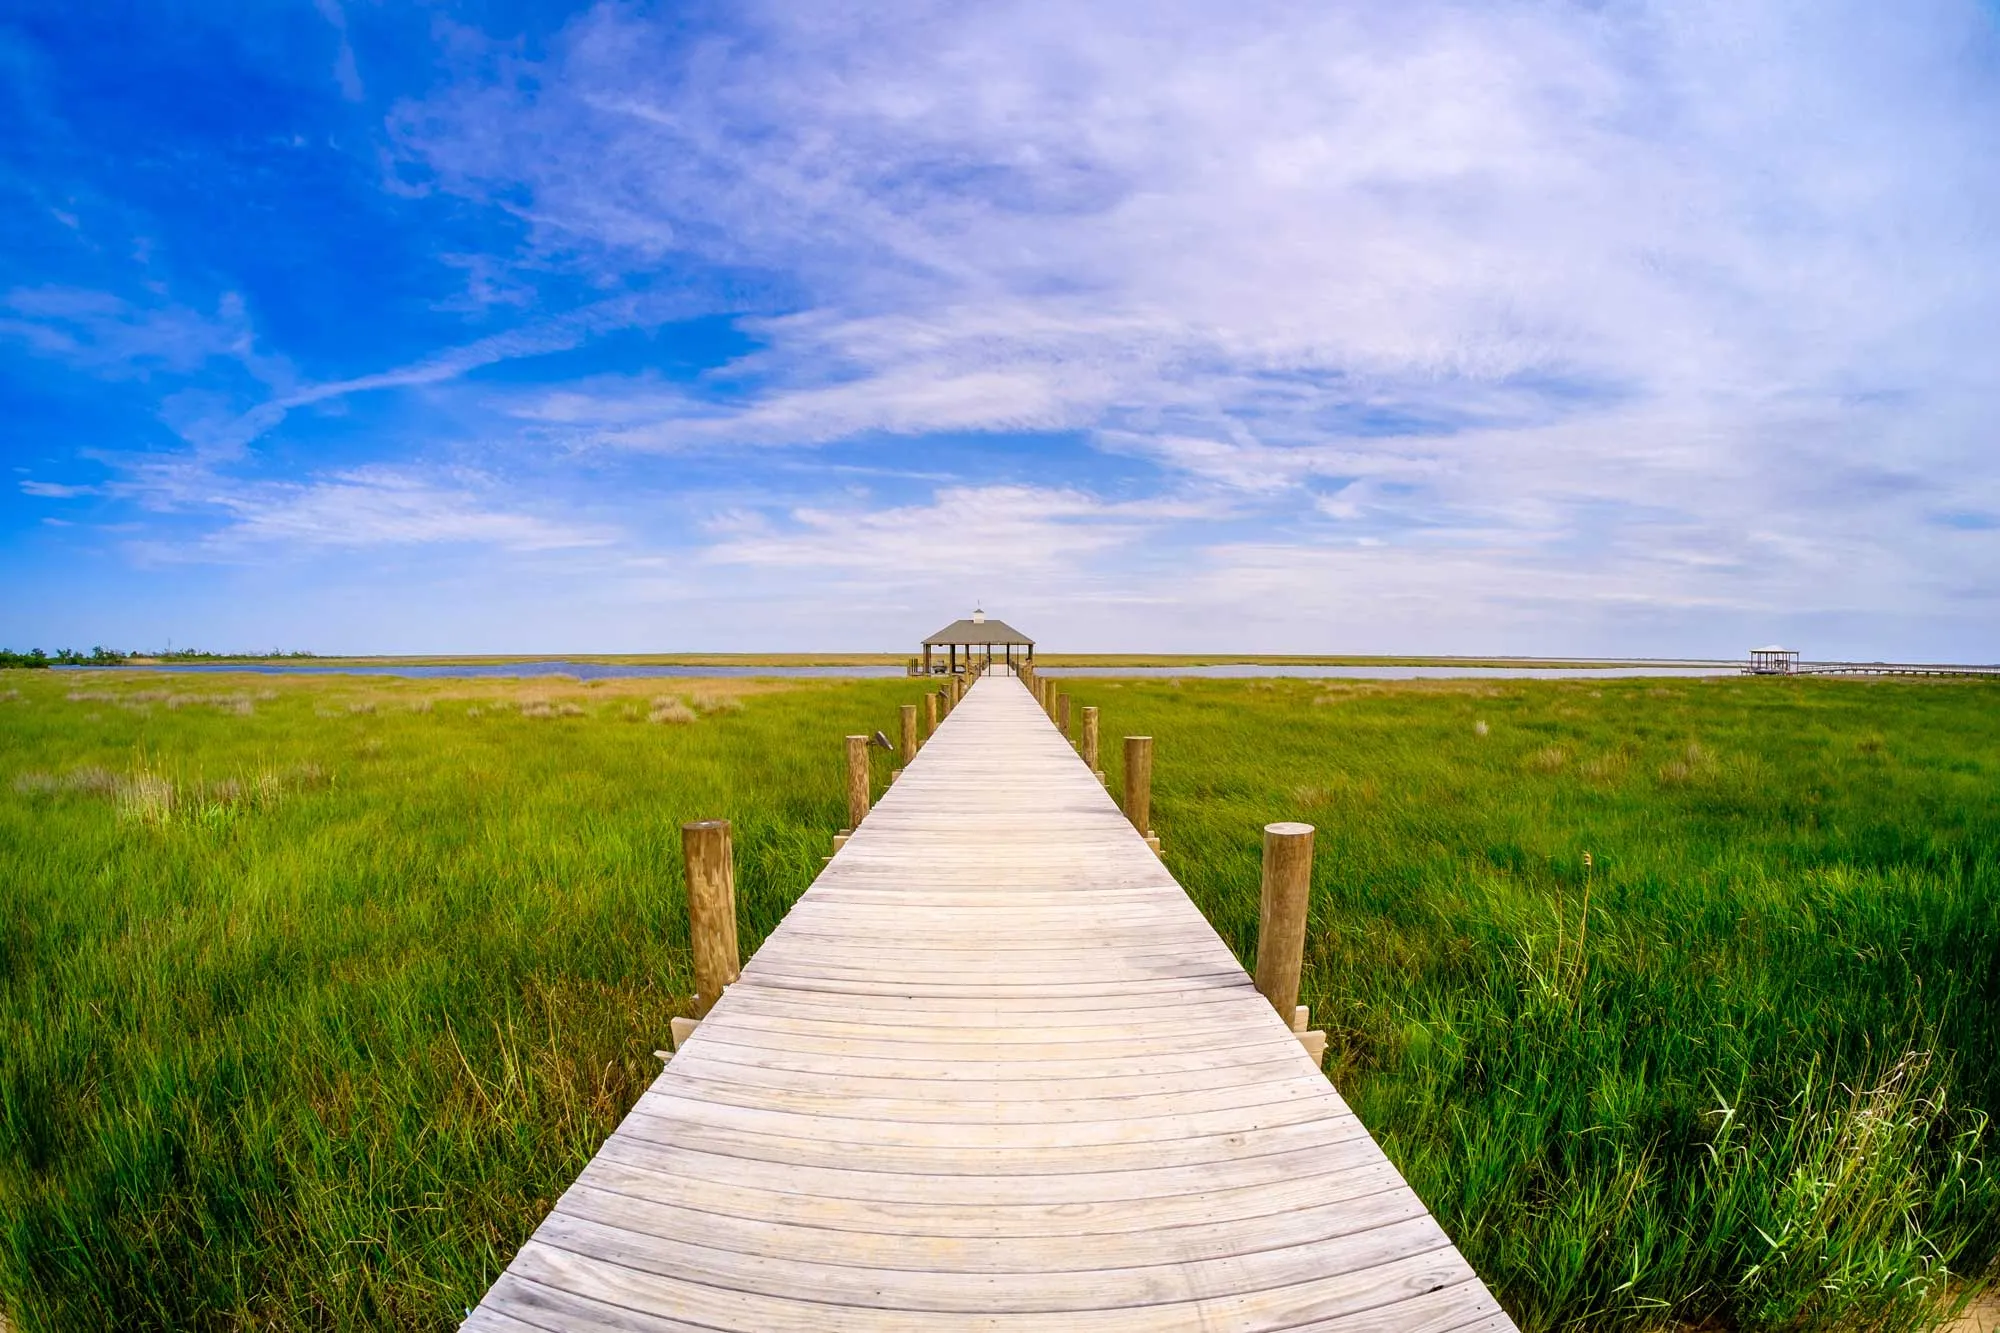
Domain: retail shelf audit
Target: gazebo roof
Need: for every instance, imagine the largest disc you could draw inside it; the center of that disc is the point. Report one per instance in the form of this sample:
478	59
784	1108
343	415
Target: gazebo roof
981	632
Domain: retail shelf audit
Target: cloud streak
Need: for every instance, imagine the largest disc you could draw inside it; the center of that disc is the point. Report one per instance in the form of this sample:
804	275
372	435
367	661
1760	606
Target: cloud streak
384	507
1522	318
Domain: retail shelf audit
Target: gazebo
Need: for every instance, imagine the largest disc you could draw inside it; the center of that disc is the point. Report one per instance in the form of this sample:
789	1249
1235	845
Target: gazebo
1773	661
978	632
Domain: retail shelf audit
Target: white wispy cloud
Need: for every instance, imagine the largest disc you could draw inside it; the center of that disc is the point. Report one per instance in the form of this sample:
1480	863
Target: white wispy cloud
1533	278
961	529
50	490
1510	318
346	74
381	506
114	337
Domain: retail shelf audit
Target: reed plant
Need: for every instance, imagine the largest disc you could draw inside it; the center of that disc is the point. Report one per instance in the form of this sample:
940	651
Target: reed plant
308	1013
1675	1002
1672	1001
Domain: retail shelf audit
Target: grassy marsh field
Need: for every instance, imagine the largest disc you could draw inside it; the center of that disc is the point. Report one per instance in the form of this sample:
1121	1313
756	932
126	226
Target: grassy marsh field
315	991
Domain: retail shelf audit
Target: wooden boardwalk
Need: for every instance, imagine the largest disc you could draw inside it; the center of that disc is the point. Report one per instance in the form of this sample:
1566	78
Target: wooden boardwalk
994	1071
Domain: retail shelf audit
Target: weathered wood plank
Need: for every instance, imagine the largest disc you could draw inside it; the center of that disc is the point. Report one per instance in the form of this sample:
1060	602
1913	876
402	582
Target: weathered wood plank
829	1200
993	1072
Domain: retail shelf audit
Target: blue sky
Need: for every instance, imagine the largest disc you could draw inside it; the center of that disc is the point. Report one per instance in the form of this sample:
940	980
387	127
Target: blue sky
1484	327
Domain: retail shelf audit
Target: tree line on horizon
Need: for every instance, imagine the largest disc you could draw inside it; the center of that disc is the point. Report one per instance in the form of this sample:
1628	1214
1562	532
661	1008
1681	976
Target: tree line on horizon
101	656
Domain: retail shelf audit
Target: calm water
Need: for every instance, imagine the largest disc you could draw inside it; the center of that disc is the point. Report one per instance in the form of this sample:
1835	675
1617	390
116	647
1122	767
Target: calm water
1234	670
1251	670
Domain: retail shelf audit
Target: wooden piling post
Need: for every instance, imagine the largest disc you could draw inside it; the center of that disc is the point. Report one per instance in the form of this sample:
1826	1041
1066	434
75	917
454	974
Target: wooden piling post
1062	715
1281	917
1090	737
857	780
930	716
711	895
1139	782
908	754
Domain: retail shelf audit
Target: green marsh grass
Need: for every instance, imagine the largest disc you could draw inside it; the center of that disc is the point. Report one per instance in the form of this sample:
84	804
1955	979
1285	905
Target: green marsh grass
315	992
1679	1003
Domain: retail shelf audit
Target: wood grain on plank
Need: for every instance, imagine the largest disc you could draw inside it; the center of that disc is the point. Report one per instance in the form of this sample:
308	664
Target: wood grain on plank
994	1071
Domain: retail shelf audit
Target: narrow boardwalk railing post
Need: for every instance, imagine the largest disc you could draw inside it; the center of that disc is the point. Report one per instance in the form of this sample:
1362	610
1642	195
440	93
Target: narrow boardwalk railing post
1062	715
857	780
1139	783
1090	741
930	715
711	895
1281	917
908	753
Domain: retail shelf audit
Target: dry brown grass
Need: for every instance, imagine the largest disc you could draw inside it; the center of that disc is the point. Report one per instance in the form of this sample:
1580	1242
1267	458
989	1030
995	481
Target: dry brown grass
241	704
550	708
1605	767
1696	762
1549	759
148	796
668	708
335	696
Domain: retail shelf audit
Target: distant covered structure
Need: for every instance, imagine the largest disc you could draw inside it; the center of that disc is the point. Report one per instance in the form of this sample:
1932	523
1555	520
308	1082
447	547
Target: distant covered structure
977	632
1773	661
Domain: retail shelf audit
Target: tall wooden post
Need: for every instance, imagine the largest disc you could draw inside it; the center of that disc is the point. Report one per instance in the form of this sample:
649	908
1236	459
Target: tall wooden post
1281	918
1090	737
711	895
1139	782
930	716
1062	715
857	780
909	751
